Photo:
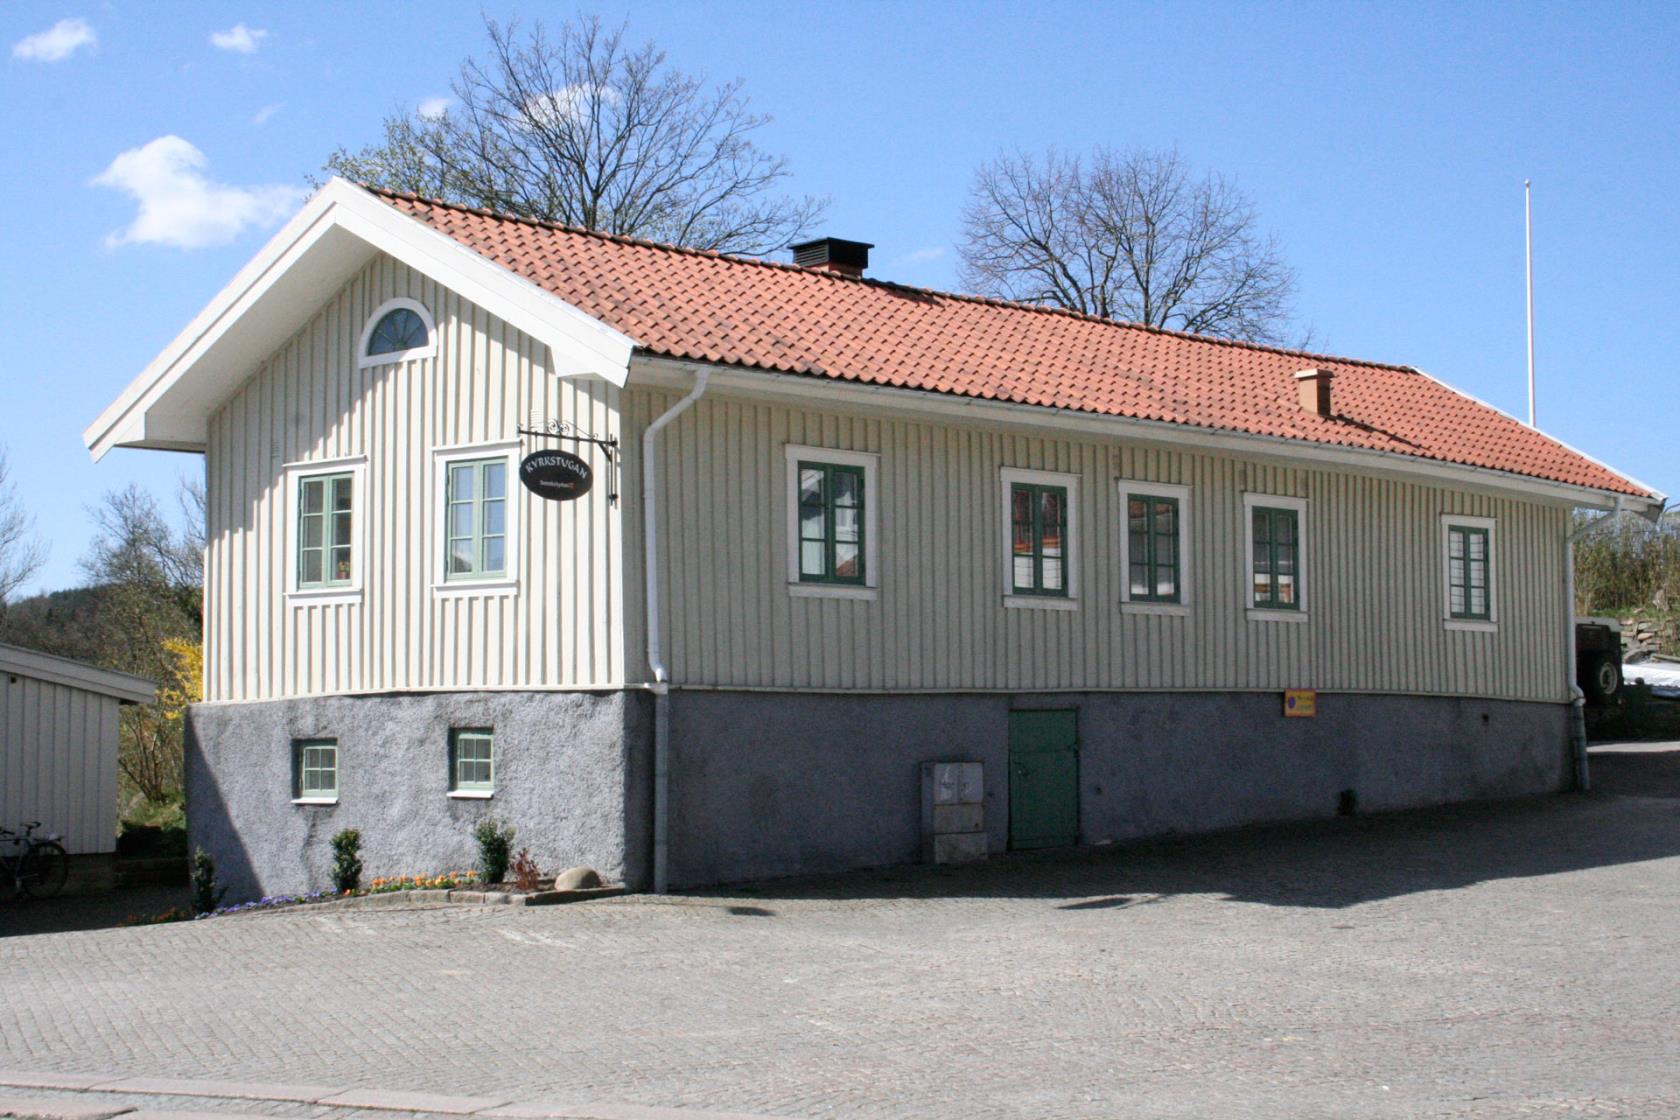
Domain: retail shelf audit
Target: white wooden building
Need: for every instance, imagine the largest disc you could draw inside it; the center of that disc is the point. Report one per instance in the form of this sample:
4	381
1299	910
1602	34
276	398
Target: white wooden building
838	528
58	746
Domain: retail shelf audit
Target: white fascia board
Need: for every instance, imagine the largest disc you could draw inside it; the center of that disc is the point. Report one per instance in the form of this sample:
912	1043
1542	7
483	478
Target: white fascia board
76	674
335	233
885	400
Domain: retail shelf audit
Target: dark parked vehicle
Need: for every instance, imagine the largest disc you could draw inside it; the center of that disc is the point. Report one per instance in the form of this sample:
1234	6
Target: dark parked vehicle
1598	660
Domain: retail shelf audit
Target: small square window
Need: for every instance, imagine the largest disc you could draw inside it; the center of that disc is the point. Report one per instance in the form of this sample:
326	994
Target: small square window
472	760
315	770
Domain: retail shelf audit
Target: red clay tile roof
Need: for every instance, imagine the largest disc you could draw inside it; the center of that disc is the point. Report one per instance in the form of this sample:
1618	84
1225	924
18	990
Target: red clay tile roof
687	303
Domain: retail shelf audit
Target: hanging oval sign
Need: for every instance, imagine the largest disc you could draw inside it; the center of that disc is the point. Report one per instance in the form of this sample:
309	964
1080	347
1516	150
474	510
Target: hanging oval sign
558	476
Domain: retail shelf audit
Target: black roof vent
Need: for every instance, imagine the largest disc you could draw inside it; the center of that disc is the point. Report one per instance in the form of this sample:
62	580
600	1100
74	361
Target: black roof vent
836	254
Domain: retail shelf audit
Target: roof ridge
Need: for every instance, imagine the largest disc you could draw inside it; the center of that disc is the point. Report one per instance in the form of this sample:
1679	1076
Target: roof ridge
992	301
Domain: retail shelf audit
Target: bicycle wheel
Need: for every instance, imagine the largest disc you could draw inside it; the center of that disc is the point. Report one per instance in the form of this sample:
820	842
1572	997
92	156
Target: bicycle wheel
43	870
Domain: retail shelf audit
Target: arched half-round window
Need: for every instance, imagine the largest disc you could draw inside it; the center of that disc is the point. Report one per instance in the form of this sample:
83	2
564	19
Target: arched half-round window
399	330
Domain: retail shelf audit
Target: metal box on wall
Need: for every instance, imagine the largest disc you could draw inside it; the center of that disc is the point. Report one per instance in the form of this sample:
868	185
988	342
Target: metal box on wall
953	812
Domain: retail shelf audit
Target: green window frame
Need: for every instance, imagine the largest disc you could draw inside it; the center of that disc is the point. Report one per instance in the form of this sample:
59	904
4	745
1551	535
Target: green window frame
475	513
1469	571
831	523
1154	552
1038	550
1275	582
315	769
472	760
325	552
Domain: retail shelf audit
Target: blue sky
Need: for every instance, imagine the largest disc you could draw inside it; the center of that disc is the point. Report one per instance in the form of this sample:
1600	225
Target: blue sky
1385	146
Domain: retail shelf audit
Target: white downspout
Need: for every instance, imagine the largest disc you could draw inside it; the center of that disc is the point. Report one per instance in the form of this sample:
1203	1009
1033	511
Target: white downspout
1577	699
655	654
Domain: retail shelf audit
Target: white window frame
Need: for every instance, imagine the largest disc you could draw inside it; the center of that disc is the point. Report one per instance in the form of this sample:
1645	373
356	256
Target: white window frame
1007	478
506	584
364	359
870	463
1181	494
1275	501
292	476
1473	625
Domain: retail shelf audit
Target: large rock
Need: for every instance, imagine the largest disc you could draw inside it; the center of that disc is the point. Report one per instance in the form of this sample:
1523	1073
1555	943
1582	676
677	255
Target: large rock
577	879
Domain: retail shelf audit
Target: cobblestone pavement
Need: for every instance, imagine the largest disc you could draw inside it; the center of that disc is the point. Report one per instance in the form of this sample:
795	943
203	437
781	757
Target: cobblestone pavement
1509	960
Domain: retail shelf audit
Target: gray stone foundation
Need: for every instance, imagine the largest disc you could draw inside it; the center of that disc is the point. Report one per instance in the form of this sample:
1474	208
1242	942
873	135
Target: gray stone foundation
769	784
564	779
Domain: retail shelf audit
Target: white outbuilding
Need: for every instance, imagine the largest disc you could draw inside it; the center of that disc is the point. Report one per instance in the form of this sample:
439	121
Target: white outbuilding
58	748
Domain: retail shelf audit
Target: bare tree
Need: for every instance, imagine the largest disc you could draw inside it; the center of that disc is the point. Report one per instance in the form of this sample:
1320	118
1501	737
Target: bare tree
1125	235
584	130
21	551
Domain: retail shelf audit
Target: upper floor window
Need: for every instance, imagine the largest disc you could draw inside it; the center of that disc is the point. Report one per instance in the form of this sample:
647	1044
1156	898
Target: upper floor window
399	330
1467	547
833	522
1039	524
475	505
1276	544
323	500
1152	544
325	550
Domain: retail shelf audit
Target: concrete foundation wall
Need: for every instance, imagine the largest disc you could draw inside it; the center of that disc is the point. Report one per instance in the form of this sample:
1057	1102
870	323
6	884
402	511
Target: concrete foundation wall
570	776
769	784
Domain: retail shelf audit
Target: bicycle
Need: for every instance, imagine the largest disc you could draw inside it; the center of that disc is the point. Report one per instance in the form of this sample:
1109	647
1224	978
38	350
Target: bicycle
40	870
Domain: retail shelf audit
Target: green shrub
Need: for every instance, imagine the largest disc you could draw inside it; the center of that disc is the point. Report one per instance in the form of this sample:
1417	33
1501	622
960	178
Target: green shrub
206	896
495	842
347	861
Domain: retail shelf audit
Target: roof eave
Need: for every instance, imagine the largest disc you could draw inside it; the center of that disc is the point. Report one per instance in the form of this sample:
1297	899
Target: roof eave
661	371
169	404
123	687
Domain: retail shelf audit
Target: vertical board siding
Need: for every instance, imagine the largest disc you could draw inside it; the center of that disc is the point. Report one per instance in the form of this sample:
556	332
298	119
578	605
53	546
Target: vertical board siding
58	762
312	400
1373	578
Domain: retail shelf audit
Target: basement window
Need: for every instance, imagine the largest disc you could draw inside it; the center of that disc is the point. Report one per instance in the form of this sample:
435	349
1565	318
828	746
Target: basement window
472	762
315	771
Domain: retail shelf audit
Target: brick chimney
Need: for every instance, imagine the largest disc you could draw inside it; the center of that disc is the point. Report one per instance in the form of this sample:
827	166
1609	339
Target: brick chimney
833	254
1313	388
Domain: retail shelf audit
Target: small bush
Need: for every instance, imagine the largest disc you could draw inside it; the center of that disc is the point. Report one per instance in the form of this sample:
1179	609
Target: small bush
206	896
347	861
525	870
495	842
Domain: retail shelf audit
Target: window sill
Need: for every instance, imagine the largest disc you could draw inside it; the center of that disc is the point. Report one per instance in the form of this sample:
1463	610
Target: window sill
472	794
325	596
314	801
467	588
1269	614
1176	610
1470	625
832	591
1040	603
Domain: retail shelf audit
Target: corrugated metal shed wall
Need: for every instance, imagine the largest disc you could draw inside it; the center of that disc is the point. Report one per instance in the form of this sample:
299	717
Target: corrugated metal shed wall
58	762
310	401
1374	571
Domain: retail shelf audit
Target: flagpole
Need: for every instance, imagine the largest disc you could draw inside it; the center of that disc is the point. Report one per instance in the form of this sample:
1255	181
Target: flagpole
1528	237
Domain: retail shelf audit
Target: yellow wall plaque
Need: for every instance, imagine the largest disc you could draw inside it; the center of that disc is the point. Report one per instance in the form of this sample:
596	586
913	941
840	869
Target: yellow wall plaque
1300	702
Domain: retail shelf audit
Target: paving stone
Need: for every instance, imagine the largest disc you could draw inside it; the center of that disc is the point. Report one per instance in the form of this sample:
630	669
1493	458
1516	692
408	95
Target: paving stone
405	1101
57	1108
1487	962
239	1090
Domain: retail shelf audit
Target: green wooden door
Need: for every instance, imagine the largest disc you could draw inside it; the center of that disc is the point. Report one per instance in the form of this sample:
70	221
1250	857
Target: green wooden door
1043	779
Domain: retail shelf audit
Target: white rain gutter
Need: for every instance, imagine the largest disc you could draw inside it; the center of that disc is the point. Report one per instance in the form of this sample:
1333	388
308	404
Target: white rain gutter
1577	699
655	654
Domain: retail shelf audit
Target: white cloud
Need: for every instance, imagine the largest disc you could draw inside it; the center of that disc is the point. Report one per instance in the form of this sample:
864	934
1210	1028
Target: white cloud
921	256
57	42
179	206
572	103
434	107
238	38
266	113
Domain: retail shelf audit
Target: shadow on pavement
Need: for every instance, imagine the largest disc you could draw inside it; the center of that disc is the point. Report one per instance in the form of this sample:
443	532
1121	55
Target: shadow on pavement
1324	864
19	917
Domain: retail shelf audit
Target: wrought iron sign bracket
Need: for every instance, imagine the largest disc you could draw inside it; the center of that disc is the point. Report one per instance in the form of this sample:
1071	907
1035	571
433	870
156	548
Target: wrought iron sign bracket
562	429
